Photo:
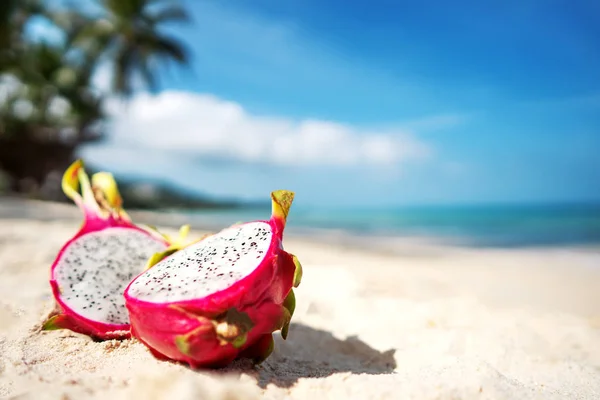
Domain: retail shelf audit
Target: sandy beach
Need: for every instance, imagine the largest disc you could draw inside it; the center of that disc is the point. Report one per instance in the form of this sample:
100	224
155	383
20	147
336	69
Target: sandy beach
423	322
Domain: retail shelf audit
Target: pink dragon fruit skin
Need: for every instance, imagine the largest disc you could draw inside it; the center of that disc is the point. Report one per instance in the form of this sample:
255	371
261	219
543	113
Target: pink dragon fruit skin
92	269
219	298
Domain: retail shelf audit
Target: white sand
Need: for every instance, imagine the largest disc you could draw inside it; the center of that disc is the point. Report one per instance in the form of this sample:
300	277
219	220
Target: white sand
430	323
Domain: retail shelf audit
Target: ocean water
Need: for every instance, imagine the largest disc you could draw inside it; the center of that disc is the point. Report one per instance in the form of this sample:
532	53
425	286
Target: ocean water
490	225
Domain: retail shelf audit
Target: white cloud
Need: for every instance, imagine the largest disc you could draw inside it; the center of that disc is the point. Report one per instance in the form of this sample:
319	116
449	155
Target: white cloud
204	125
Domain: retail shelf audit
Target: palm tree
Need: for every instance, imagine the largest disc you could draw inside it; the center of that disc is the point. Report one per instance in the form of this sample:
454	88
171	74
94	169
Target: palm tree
49	114
127	37
52	106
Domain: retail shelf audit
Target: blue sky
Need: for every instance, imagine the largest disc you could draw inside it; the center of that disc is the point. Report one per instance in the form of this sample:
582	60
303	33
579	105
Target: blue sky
375	103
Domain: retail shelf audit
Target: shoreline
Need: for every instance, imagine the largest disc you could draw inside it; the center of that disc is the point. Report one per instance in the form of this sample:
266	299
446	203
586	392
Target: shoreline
374	242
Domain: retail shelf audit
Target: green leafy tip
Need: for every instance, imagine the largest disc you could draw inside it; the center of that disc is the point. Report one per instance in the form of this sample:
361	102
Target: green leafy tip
297	272
281	201
54	323
239	341
289	305
182	343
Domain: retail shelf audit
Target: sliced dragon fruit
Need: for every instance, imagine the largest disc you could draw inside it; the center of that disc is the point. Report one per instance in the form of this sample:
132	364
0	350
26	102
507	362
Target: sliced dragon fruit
221	297
93	268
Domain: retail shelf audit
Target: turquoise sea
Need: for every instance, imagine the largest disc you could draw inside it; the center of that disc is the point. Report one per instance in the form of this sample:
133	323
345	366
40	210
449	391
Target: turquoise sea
479	225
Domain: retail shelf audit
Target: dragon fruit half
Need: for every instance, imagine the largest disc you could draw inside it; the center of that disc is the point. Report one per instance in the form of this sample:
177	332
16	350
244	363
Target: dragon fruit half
93	268
221	297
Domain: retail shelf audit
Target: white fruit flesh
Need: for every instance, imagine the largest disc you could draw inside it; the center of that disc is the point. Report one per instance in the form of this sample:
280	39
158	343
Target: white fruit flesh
206	267
95	269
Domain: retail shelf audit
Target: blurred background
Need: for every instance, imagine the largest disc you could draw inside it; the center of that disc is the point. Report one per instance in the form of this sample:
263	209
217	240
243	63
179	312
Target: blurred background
466	121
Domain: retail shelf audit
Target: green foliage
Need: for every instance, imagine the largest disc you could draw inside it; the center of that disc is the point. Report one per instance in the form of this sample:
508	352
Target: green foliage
47	100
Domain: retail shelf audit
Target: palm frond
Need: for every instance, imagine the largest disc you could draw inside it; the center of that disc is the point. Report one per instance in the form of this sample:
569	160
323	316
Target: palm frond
147	74
125	9
163	46
125	64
